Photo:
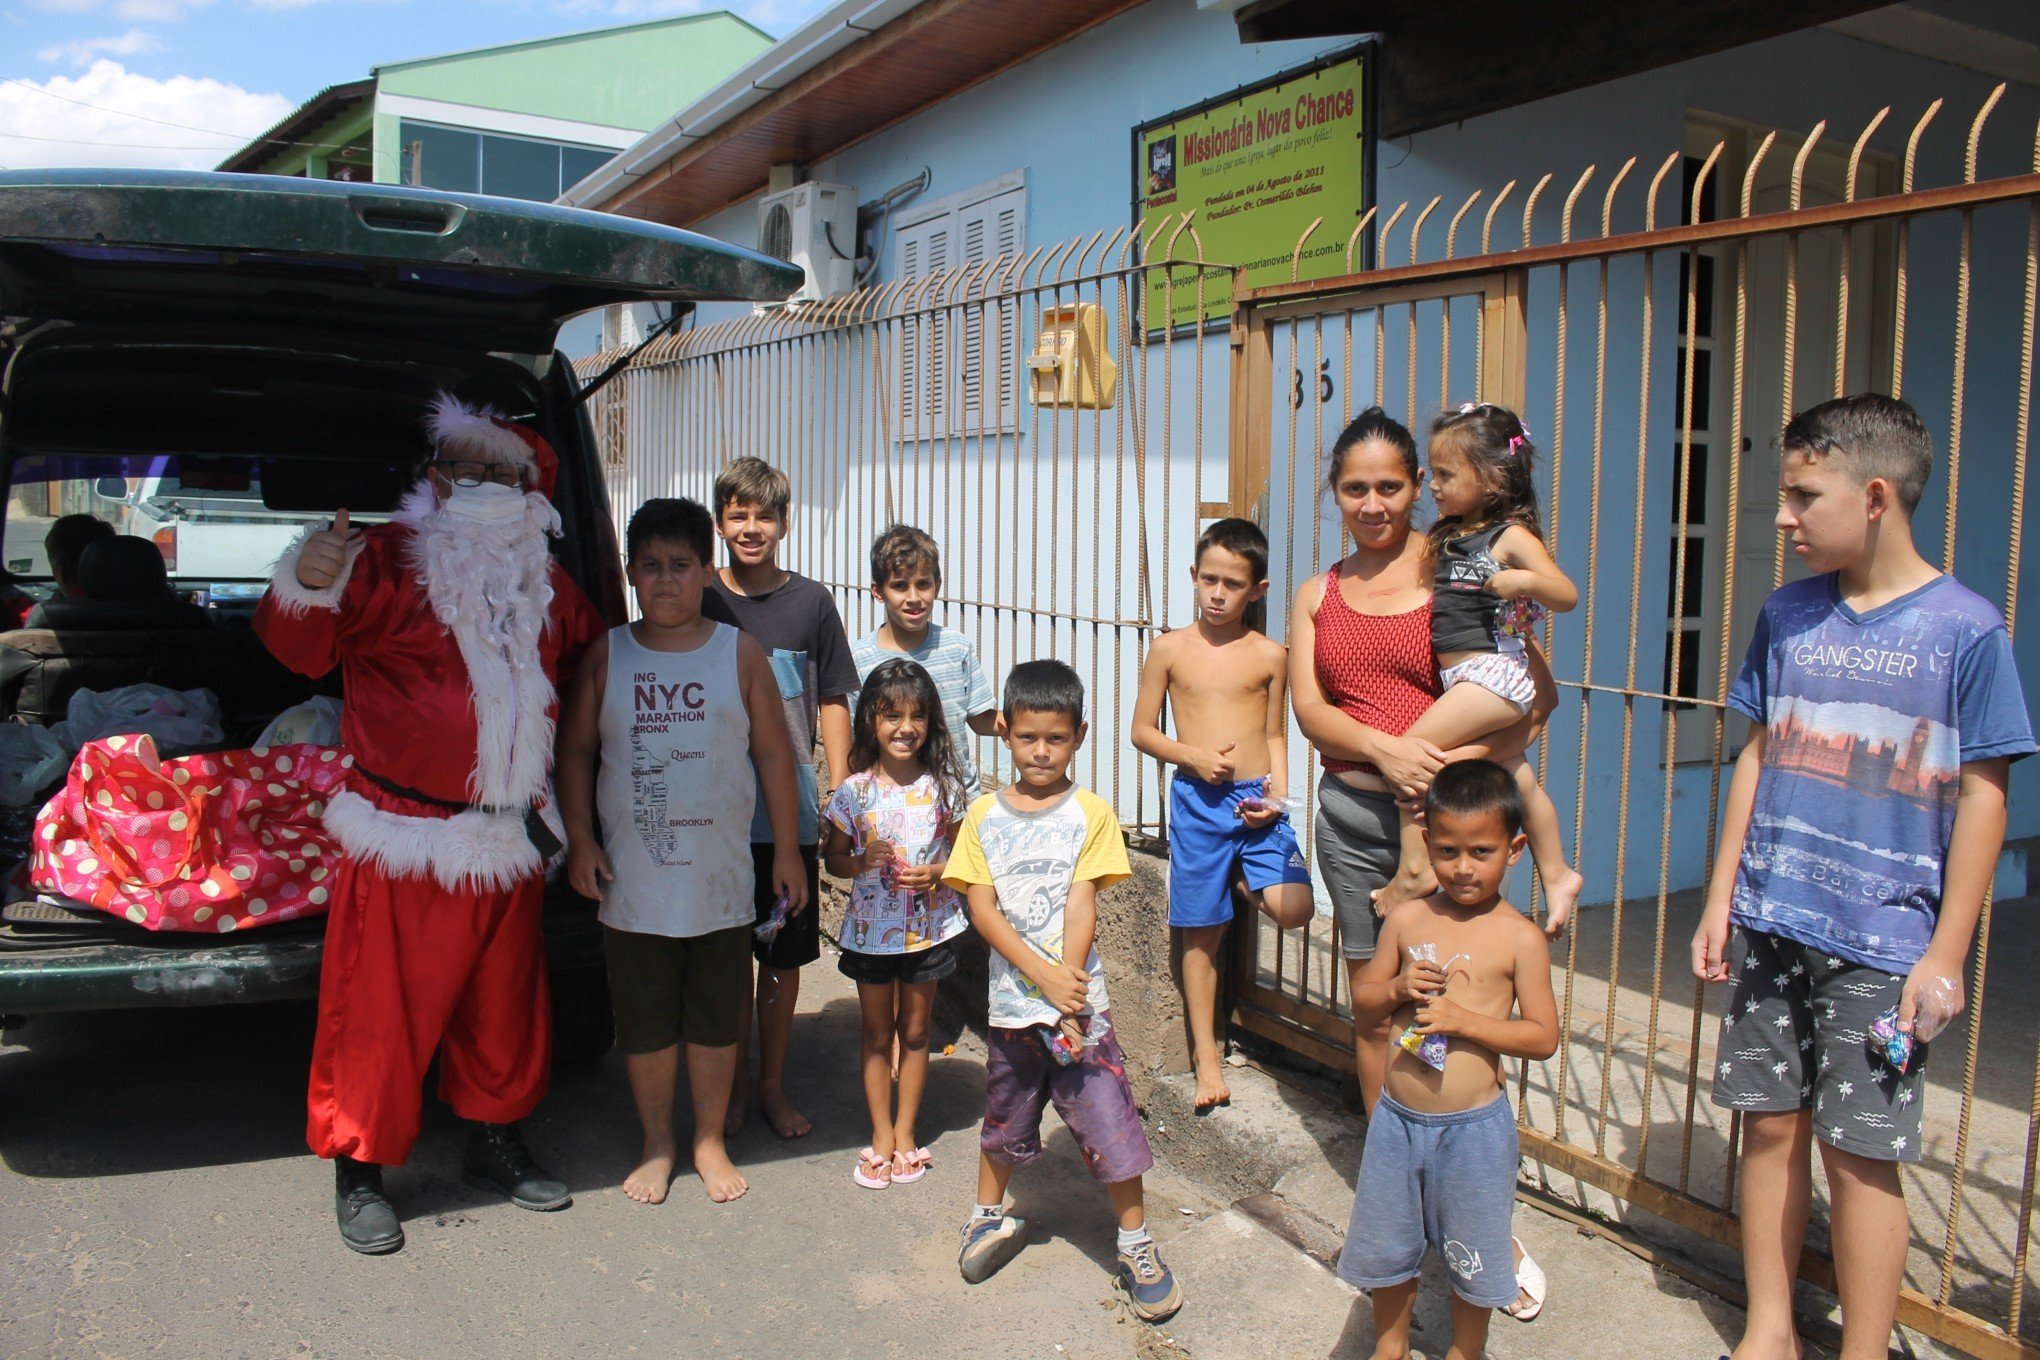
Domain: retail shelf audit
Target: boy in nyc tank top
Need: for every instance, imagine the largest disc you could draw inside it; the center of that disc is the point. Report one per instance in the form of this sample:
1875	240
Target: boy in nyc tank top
682	710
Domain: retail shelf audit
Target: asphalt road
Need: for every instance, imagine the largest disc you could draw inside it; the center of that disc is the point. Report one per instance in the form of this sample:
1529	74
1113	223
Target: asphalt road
156	1199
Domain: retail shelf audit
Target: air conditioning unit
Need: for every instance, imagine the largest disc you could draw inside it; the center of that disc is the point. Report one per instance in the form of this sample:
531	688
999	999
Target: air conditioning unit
815	227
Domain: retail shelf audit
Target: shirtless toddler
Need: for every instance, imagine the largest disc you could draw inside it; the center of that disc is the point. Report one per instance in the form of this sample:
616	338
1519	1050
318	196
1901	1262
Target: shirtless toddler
1439	1167
1225	680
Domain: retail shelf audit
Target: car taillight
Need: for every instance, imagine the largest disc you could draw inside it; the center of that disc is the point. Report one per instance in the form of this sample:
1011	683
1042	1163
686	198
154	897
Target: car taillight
166	544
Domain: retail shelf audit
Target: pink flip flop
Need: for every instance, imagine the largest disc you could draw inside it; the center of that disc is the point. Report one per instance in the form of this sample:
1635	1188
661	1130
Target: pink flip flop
909	1166
873	1172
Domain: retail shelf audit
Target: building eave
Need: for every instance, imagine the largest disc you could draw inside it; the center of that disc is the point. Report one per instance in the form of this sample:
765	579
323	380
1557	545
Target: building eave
852	71
299	128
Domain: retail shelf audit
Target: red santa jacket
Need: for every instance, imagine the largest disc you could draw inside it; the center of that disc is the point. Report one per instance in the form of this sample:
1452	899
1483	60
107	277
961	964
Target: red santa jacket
416	716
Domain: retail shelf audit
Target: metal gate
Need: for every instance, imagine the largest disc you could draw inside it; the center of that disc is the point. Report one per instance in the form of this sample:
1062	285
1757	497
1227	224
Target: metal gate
1655	327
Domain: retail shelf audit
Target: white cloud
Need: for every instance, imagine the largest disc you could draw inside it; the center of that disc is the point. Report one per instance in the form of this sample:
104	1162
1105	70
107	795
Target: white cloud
134	11
229	113
131	43
157	11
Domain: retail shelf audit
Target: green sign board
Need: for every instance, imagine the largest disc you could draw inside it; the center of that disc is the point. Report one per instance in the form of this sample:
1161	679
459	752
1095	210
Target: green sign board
1253	168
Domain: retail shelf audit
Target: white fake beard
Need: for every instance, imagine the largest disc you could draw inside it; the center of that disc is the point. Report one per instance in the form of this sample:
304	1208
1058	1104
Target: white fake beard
491	585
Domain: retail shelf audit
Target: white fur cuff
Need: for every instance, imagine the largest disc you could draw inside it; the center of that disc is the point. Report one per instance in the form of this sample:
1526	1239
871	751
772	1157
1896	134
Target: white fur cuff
294	594
471	851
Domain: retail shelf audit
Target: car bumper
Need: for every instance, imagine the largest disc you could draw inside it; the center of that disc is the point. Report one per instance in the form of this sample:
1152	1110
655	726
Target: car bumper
281	967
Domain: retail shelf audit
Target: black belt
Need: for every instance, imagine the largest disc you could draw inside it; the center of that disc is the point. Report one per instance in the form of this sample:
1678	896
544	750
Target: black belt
541	835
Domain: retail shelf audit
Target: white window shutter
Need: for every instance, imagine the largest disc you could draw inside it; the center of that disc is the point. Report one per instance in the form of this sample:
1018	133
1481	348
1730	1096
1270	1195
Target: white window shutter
924	361
992	230
943	372
939	367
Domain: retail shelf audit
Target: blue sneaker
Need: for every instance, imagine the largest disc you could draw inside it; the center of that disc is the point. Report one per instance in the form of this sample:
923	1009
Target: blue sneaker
1149	1284
989	1243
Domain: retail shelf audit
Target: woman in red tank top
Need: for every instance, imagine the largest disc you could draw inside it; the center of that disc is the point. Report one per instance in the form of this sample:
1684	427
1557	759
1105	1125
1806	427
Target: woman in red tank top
1361	671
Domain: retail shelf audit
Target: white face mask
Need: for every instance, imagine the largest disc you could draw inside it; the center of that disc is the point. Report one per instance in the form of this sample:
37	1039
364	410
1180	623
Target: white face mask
488	503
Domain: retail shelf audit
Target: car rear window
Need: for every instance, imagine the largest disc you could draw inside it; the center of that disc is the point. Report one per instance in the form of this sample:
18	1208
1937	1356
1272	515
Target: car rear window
220	523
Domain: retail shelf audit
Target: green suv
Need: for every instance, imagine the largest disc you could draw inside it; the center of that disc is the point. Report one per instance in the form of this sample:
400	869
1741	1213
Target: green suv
212	361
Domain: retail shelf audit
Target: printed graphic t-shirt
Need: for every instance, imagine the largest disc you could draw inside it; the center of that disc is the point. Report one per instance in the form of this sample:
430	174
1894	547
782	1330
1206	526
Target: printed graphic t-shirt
883	917
1030	859
674	792
802	634
1868	719
952	663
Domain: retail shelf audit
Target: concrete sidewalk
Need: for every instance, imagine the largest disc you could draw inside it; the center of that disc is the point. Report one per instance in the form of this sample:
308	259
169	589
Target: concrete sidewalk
1260	1269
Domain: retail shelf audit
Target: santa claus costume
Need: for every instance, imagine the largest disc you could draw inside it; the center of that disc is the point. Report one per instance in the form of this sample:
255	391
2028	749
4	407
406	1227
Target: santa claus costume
453	628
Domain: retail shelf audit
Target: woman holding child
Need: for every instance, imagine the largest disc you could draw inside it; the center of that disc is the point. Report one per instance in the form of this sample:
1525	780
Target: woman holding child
1362	672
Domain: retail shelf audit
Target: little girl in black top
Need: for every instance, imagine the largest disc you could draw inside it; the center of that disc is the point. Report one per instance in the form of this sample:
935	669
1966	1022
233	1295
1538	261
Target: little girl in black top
1494	577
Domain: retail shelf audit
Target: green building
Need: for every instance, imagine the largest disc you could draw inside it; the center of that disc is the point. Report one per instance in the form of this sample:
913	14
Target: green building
525	120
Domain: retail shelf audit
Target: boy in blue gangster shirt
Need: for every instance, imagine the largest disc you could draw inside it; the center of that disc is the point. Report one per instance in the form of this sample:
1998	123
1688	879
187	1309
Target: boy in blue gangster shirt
1887	707
1030	860
906	576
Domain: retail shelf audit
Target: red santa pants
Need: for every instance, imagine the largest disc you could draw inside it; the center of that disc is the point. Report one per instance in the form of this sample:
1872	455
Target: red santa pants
410	969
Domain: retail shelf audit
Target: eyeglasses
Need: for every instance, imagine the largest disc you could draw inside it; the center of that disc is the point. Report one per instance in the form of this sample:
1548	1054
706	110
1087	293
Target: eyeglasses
466	473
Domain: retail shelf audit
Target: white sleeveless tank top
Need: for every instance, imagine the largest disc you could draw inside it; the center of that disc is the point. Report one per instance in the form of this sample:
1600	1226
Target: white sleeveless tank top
676	788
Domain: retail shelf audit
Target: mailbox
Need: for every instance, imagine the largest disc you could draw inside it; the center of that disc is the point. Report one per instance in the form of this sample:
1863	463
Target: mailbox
1072	364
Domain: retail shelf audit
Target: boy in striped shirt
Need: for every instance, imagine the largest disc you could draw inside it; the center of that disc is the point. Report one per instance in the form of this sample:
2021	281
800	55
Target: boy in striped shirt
906	576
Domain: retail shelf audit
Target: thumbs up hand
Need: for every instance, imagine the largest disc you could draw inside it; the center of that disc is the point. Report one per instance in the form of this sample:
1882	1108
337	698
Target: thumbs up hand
324	555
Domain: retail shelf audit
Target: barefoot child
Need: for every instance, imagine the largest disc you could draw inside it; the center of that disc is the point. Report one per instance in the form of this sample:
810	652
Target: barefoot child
682	711
1032	858
794	620
1439	1167
1492	575
1225	681
890	825
1862	826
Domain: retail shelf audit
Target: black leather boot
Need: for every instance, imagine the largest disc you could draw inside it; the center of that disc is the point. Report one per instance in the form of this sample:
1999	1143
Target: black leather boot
368	1223
498	1160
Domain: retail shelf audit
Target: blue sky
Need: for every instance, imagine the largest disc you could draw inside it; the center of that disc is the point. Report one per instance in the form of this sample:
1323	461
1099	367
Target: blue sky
180	83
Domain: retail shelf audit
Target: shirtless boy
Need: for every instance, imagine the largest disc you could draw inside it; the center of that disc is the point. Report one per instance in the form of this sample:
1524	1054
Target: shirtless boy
1225	681
1439	1167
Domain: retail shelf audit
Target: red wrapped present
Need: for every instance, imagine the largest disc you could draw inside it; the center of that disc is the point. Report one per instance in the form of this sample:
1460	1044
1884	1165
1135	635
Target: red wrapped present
214	842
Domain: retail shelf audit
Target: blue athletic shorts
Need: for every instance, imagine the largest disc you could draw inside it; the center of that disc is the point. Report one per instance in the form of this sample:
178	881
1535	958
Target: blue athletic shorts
1446	1181
1207	838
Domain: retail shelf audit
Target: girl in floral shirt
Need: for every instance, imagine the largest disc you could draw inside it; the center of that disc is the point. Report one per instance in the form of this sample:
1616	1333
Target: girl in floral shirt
889	828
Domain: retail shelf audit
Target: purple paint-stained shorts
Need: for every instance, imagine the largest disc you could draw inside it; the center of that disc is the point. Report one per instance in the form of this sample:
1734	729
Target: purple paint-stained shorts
1091	1095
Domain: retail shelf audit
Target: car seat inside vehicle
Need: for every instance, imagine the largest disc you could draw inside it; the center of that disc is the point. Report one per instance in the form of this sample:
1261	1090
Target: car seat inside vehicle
123	587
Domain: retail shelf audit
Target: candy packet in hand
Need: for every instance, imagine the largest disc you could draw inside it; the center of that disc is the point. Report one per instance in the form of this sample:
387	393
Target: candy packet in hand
1261	802
768	929
1429	1049
1891	1043
1066	1041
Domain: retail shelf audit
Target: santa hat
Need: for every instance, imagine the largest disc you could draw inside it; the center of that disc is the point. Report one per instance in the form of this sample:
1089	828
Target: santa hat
462	431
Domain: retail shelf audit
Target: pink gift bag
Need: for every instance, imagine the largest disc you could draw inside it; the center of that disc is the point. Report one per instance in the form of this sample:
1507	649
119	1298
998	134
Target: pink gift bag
215	842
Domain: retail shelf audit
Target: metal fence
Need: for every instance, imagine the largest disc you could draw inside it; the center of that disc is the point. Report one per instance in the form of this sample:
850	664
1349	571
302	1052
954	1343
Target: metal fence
1656	358
1063	528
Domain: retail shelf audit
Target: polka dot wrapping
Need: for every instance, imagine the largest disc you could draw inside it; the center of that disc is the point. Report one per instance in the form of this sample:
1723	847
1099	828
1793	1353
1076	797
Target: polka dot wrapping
216	842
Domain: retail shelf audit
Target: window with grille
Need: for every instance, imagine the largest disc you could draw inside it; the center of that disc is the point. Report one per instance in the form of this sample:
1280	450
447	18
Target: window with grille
959	338
1709	599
